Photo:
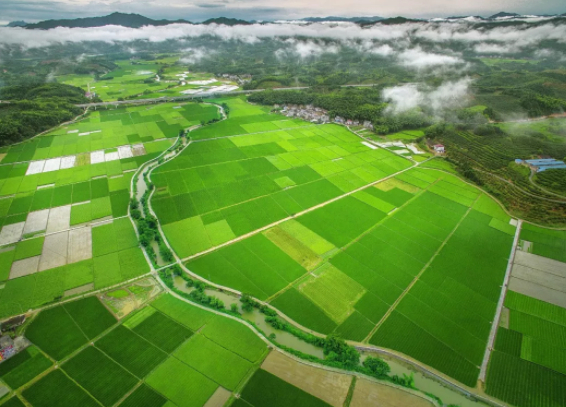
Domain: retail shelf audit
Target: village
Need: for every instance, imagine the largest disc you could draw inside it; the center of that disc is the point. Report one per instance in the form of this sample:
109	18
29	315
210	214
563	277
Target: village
318	115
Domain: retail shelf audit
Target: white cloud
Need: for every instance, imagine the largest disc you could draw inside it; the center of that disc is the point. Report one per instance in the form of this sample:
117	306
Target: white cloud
403	98
409	96
416	58
194	55
307	49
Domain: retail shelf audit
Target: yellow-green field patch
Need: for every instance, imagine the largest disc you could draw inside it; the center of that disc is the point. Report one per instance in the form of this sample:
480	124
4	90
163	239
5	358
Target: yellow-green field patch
295	249
371	200
307	237
284	182
219	232
333	291
391	183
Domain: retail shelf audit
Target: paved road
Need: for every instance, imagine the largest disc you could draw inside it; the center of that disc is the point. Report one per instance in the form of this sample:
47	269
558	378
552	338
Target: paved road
497	318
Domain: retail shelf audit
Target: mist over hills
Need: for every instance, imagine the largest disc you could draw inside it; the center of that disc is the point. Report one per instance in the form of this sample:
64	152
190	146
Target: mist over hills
138	21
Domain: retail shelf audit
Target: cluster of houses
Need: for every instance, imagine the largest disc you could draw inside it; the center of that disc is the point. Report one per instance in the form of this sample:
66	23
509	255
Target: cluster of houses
318	115
241	79
8	346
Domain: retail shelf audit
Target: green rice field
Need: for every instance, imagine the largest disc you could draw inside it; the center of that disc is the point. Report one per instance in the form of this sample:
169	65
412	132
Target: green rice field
68	324
533	347
129	80
422	235
222	188
545	242
267	390
101	153
152	358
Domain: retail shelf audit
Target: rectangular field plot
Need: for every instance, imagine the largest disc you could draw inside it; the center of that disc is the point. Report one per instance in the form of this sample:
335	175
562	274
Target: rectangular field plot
20	369
181	384
255	265
448	319
531	340
56	389
212	360
90	315
107	381
267	390
162	331
133	352
302	310
333	291
235	337
185	314
144	396
331	387
545	242
55	323
530	385
424	347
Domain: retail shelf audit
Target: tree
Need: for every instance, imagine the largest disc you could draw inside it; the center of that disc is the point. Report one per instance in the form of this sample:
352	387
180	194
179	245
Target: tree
336	349
247	302
234	307
377	366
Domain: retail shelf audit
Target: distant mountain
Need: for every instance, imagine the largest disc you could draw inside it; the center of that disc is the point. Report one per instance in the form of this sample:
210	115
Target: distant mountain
17	24
125	20
339	19
503	14
226	21
398	20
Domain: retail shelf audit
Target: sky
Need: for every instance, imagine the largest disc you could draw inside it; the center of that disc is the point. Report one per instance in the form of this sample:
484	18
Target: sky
198	10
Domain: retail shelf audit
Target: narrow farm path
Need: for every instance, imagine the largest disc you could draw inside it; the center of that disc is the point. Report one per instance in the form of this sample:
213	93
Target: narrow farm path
541	187
496	319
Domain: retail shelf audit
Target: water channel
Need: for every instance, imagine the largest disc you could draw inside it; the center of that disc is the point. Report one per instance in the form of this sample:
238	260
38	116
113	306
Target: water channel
422	382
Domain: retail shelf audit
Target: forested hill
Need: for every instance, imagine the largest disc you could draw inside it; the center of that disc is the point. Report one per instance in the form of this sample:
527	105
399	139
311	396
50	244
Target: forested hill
36	108
122	19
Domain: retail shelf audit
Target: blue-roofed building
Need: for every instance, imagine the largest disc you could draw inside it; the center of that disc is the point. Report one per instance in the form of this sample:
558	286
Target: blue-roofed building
543	164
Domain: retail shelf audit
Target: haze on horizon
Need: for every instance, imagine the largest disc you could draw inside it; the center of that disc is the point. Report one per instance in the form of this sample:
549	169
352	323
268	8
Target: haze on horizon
198	10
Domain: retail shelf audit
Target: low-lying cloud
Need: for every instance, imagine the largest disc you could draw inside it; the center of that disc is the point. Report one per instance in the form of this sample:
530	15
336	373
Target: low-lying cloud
194	55
518	36
410	96
418	59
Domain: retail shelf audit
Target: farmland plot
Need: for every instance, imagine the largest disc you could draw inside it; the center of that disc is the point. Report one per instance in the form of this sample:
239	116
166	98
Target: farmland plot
421	224
533	346
265	389
219	189
78	175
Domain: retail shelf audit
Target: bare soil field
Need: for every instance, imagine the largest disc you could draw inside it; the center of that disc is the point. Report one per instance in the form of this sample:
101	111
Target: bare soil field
328	386
219	398
367	393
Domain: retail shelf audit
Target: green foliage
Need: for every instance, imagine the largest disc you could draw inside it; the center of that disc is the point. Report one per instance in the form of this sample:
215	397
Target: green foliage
377	366
34	109
336	350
